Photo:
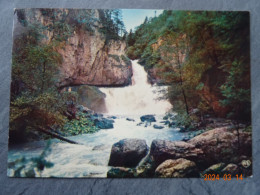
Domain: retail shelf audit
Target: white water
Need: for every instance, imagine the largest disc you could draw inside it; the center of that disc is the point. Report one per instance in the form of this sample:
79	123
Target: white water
81	160
139	98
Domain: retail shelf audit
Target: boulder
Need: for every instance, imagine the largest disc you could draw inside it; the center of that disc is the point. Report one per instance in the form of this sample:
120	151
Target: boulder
158	127
146	167
130	119
165	122
91	97
221	145
214	169
179	168
231	169
148	118
128	153
246	167
112	117
120	172
104	123
99	147
162	150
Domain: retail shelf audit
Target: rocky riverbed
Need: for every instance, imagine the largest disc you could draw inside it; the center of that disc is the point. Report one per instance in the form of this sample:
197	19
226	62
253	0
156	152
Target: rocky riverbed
217	151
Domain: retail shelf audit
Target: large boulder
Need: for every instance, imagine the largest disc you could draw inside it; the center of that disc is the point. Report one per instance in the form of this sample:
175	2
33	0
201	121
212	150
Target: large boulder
91	97
221	145
128	153
162	150
179	168
104	123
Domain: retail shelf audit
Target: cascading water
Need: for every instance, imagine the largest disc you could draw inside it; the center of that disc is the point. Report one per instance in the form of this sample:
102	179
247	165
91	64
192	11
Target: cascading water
139	98
91	158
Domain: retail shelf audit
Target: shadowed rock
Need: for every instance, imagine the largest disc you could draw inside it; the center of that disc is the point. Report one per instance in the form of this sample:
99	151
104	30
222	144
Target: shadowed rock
128	152
162	150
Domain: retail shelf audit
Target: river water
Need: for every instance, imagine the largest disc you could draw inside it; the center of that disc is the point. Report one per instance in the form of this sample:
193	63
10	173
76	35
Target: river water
90	159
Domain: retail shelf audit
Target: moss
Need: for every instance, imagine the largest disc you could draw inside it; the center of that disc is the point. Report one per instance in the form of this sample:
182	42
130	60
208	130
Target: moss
115	57
126	60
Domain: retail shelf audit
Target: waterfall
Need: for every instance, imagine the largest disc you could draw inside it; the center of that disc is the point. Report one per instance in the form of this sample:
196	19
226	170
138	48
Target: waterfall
139	98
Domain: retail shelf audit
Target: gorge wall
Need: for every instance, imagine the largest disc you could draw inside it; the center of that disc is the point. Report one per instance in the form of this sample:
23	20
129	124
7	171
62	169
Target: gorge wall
88	57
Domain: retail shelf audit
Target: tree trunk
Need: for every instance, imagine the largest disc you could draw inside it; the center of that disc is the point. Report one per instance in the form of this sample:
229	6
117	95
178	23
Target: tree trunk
56	136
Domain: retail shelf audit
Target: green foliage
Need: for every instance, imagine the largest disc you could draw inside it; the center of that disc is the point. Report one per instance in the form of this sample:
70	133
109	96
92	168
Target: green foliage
202	55
36	102
79	126
235	94
183	120
115	57
112	24
126	60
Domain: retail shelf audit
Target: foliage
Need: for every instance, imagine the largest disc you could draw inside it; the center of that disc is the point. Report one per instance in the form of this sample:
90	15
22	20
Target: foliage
112	24
202	55
80	125
126	60
115	57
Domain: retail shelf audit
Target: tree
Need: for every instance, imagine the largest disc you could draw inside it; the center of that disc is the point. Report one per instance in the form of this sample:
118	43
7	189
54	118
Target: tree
174	51
36	102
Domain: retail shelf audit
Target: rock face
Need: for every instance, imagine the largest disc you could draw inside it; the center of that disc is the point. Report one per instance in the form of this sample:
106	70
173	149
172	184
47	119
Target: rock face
88	57
90	97
128	152
162	150
179	168
221	145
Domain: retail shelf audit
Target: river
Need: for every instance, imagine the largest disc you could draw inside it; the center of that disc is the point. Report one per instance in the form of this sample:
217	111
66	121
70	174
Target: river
90	159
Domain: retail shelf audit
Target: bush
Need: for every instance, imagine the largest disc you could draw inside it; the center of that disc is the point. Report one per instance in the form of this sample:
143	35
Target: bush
80	125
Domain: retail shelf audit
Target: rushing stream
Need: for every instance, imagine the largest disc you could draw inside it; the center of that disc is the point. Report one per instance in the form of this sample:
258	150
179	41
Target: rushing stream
90	159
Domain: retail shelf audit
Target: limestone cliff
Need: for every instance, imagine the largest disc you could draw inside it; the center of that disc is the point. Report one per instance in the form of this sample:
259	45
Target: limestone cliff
88	57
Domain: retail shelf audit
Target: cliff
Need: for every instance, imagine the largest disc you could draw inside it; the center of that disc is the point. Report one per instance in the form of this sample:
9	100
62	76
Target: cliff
88	56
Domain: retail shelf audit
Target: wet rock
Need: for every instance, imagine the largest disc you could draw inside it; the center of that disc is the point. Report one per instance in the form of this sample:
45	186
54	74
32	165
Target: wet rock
162	150
139	124
120	172
130	119
99	147
180	168
221	145
231	169
165	122
146	167
112	117
214	169
246	167
185	139
172	124
104	123
158	127
148	118
84	109
168	116
128	152
98	115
